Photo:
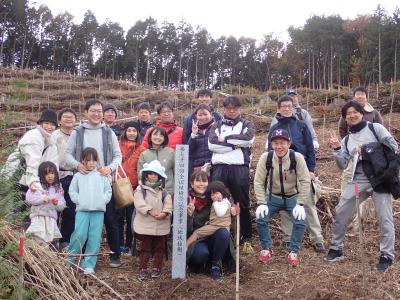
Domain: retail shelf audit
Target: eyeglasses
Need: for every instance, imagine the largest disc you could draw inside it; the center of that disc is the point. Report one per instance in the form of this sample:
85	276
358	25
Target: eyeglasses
95	111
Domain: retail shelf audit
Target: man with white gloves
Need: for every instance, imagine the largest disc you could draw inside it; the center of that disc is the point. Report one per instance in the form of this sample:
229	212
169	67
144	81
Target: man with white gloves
281	182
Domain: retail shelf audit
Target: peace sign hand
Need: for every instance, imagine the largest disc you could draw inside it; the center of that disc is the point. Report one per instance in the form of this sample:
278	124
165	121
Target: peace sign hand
191	206
195	127
334	142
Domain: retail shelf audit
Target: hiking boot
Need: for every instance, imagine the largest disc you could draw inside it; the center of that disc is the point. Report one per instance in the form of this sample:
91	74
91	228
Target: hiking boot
334	255
115	262
216	273
285	244
265	255
156	273
319	248
293	259
384	263
143	275
247	247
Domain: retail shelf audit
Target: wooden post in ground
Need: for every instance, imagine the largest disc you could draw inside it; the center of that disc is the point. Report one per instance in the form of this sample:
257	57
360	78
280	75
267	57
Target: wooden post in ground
237	251
21	268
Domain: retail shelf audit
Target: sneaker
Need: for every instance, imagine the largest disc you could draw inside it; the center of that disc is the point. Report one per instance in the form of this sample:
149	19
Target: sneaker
293	259
216	273
143	275
156	273
384	263
319	248
285	244
265	255
334	255
247	247
115	262
88	271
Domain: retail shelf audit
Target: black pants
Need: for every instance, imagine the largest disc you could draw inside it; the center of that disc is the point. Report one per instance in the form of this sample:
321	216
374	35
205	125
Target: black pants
125	233
236	179
68	214
112	228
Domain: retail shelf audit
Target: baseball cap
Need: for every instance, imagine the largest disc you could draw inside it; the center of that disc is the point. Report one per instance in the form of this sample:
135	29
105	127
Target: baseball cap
291	92
281	134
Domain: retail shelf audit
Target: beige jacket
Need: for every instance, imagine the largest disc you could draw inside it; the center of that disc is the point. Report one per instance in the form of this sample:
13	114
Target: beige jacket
146	224
291	179
214	224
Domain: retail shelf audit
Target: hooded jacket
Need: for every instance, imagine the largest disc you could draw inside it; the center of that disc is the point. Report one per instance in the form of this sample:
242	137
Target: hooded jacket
40	208
175	134
300	136
144	223
101	138
166	157
370	115
90	192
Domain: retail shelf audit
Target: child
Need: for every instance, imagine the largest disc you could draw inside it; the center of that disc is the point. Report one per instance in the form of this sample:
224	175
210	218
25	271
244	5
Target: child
220	215
46	201
153	217
90	192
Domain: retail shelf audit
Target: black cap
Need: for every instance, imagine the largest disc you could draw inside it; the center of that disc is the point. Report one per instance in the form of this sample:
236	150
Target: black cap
133	124
291	92
281	134
48	115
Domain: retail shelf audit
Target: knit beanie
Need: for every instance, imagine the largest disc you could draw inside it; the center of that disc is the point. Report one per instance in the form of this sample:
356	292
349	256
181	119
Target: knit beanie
110	106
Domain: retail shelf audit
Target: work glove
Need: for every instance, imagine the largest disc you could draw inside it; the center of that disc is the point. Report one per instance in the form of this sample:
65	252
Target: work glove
299	213
261	211
316	145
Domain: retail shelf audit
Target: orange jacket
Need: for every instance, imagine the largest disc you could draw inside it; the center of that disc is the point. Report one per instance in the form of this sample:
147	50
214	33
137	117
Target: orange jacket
130	165
175	134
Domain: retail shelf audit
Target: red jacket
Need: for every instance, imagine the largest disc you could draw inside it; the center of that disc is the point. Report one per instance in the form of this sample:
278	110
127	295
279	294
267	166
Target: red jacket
175	134
130	164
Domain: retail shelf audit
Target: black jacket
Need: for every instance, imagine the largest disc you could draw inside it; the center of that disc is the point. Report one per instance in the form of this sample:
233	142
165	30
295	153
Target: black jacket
381	166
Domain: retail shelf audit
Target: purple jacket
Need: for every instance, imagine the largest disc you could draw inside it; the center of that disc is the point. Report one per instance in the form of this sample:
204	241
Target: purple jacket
39	208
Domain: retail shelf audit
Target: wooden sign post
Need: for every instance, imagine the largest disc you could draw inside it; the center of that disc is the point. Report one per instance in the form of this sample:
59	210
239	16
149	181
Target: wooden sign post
180	212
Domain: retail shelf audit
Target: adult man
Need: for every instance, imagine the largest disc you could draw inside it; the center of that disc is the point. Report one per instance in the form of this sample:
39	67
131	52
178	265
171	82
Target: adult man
66	120
300	114
361	134
203	96
279	172
95	133
167	121
360	95
302	142
110	114
144	117
230	140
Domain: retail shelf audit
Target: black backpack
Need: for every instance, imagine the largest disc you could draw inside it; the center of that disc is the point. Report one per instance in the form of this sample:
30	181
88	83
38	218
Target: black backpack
269	167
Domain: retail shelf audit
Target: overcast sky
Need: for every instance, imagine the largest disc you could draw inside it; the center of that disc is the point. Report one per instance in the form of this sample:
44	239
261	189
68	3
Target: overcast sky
249	18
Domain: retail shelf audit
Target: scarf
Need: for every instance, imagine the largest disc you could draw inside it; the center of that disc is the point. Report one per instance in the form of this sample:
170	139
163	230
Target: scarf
230	122
200	201
154	186
356	128
206	125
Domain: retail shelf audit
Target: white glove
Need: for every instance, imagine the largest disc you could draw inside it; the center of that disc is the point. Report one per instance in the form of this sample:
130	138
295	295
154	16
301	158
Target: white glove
316	145
299	213
261	211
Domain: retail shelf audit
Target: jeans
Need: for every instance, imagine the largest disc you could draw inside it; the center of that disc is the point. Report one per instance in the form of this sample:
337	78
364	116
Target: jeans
275	204
215	247
112	228
68	214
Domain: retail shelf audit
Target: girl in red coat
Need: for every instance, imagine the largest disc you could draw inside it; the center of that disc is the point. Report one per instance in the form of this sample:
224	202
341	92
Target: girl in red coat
131	150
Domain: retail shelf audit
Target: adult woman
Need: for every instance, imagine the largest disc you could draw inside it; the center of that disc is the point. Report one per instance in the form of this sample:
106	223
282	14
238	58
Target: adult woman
213	248
157	140
199	154
131	150
35	147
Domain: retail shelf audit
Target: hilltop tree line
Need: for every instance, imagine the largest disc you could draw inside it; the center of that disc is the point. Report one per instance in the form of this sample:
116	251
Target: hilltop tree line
326	51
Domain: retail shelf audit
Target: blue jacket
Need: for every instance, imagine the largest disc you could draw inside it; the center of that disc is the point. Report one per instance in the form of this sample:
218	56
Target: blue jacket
187	125
300	136
90	192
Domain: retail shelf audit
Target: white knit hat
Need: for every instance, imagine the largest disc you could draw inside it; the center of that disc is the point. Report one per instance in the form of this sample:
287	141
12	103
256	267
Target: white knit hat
154	166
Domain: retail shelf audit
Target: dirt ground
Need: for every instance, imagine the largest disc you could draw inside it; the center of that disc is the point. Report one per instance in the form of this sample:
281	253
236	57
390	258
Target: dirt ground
313	279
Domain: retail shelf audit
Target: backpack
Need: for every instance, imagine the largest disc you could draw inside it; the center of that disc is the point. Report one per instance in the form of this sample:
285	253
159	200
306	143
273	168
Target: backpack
298	114
370	126
269	167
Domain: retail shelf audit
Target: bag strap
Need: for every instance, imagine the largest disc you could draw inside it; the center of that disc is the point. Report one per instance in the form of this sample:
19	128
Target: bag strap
116	173
128	155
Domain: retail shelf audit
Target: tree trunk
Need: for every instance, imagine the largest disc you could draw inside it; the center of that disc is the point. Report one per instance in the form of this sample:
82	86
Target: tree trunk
180	67
395	60
23	52
379	55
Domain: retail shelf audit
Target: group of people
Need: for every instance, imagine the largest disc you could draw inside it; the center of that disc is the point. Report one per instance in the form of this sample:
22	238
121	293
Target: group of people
69	174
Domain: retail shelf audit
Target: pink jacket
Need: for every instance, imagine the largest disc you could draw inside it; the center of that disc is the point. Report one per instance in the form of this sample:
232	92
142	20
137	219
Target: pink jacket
39	208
